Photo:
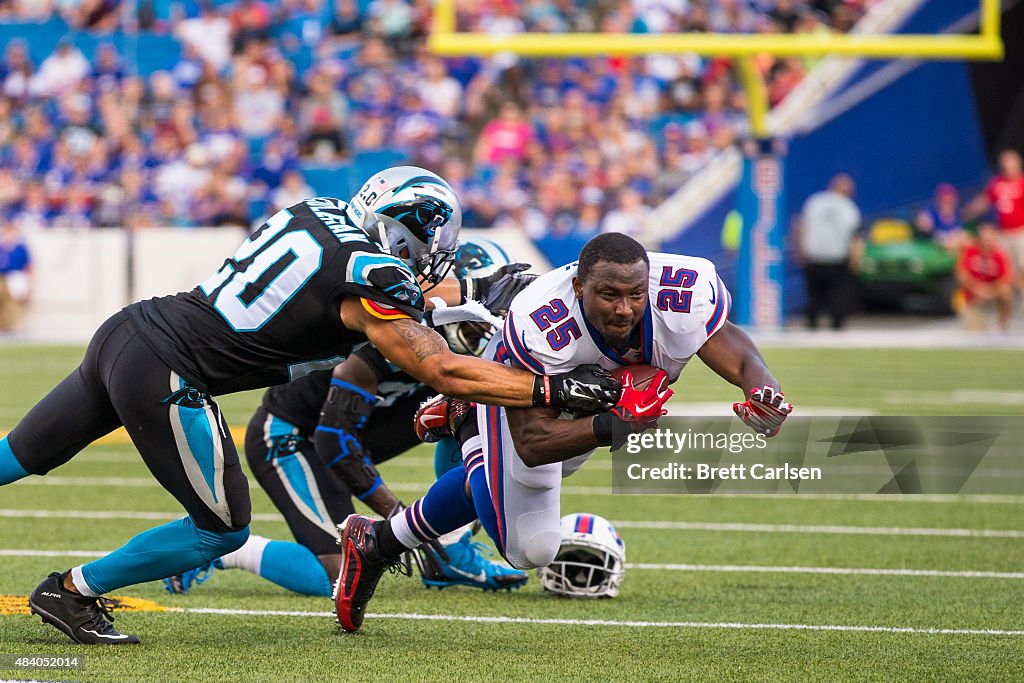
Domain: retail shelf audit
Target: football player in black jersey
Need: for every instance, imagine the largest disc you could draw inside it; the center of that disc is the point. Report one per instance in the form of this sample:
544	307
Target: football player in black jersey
309	284
313	484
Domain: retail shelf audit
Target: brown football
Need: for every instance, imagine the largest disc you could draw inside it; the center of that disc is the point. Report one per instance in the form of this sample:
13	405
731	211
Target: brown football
642	374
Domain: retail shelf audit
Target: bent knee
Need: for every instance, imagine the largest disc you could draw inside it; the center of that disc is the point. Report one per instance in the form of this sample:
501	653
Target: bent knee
217	543
538	550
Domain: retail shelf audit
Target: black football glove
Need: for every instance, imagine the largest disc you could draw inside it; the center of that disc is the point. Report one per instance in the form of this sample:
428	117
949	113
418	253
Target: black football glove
496	291
586	389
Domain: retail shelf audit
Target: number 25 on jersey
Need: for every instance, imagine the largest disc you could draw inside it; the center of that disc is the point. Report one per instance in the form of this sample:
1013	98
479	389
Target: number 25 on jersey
565	331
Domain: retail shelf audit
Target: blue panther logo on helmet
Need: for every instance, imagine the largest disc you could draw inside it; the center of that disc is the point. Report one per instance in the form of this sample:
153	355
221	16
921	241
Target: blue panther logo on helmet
414	215
422	216
470	257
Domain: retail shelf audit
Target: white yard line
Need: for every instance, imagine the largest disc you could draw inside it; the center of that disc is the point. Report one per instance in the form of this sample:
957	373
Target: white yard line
971	396
813	529
724	409
759	569
28	552
417	487
115	514
624	524
628	624
711	568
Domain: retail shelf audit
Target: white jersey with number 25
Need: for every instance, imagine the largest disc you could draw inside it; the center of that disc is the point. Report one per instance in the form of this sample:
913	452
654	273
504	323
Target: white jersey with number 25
546	331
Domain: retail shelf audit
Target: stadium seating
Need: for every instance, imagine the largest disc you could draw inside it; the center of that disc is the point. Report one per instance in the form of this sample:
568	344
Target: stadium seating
601	126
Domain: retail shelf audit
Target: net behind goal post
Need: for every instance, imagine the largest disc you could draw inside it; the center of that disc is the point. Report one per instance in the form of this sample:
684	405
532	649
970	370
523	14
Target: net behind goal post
759	279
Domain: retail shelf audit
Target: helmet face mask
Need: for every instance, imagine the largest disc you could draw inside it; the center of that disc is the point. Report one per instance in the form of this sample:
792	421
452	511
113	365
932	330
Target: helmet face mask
468	338
414	215
476	257
591	559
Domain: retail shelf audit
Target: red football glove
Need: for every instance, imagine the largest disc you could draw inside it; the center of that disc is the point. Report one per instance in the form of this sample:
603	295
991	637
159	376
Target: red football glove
440	417
764	411
642	407
637	410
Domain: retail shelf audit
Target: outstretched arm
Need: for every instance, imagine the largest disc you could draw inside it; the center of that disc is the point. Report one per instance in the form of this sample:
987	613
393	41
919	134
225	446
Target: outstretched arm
735	358
423	353
976	207
733	355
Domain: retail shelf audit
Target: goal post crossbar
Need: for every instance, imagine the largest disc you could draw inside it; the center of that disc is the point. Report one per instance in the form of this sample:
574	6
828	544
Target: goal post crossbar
984	45
987	44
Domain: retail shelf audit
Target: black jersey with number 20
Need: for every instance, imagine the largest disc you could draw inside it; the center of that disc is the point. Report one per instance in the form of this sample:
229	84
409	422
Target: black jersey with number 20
271	312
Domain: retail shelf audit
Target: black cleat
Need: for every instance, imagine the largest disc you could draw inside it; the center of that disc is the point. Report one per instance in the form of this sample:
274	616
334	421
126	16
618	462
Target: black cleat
362	565
83	619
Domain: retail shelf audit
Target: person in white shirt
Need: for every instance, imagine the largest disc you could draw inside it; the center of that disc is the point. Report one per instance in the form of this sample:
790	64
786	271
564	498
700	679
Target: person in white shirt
209	34
61	71
830	249
440	92
630	215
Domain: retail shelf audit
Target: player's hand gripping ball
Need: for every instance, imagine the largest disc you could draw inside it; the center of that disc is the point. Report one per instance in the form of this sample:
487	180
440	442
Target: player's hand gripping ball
764	411
645	392
440	417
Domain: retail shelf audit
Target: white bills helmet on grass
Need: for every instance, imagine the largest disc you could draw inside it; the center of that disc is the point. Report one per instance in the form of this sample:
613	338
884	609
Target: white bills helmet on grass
591	559
414	215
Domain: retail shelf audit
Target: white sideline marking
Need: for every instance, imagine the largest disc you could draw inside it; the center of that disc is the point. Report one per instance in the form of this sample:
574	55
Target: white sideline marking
418	487
631	624
728	568
30	552
724	409
973	396
116	514
625	524
722	568
812	529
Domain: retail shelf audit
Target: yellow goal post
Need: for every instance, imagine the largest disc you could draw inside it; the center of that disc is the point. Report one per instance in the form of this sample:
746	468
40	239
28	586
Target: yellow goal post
984	45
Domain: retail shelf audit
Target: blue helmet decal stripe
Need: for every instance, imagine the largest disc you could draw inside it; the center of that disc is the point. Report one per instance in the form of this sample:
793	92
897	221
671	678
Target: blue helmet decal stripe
421	180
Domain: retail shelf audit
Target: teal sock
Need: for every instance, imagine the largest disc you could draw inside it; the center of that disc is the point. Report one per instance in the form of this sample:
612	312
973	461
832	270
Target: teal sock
296	568
289	565
447	454
167	550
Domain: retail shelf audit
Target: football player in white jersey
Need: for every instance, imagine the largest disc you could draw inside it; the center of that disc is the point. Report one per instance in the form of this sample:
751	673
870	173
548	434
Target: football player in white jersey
617	306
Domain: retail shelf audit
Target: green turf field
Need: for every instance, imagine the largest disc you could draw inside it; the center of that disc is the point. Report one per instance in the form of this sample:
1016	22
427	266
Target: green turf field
707	616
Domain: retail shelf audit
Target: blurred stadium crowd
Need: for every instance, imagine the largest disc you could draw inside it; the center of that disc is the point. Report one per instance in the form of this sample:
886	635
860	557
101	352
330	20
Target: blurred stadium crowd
234	127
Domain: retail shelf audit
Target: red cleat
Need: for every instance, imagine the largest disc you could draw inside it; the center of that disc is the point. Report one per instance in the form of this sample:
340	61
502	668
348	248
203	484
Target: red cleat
362	565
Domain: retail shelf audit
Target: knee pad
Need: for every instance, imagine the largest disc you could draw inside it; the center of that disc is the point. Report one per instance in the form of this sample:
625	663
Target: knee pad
213	544
537	550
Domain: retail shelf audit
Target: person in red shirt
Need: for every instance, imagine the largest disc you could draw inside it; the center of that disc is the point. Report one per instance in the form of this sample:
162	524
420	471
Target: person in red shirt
985	276
1005	195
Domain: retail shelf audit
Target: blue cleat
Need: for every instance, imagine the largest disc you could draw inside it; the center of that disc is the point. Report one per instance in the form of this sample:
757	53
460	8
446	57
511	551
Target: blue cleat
464	564
183	582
